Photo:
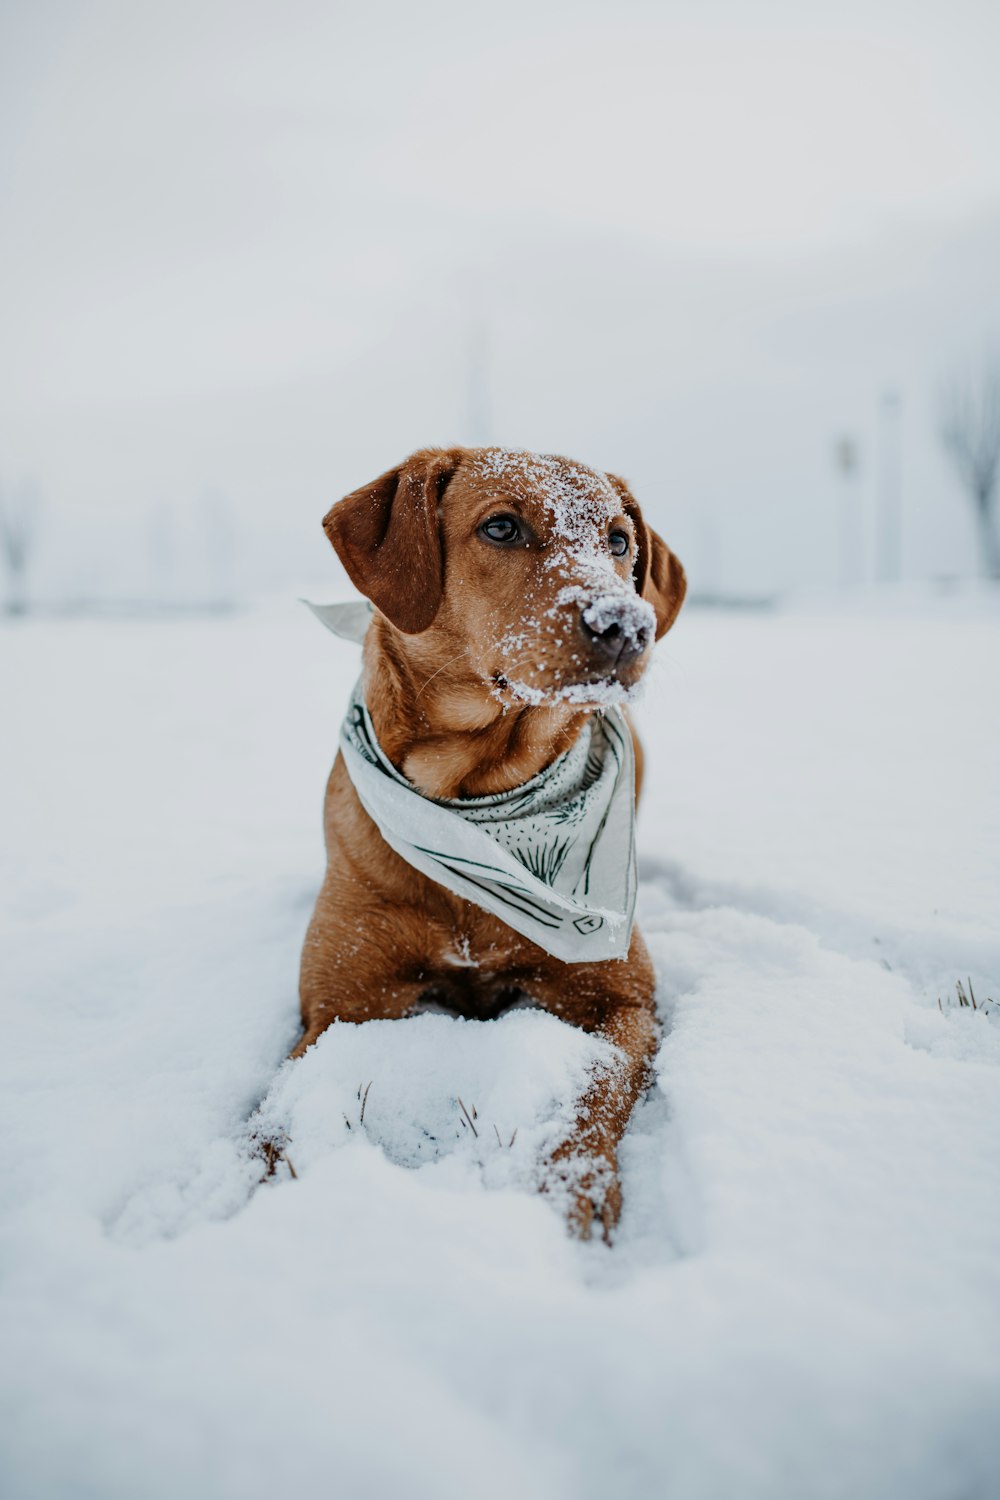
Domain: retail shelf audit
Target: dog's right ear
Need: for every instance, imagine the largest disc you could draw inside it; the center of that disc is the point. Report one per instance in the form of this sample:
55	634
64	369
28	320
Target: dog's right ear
658	574
388	537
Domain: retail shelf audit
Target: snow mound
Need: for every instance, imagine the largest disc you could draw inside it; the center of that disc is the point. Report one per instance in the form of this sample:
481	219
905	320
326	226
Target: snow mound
470	1102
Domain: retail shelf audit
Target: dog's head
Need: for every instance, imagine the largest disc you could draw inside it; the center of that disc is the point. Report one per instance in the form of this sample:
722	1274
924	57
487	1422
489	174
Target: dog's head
540	570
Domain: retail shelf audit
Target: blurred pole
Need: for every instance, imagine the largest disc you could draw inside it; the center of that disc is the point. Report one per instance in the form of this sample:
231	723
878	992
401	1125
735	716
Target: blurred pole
708	571
219	536
18	519
161	534
477	386
890	498
849	545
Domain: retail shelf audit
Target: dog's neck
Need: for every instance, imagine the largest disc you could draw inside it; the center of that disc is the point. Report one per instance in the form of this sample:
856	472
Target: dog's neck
441	726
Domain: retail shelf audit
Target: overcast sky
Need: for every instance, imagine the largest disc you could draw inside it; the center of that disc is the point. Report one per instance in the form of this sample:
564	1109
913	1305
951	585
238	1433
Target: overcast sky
252	254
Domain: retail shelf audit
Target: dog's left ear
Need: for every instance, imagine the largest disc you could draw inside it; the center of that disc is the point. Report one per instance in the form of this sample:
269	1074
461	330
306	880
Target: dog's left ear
387	535
658	574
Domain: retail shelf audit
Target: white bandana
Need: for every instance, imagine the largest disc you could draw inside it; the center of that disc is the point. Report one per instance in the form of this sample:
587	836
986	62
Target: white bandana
553	858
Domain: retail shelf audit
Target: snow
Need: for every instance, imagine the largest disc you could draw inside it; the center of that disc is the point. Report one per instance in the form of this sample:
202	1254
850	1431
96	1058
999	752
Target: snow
803	1297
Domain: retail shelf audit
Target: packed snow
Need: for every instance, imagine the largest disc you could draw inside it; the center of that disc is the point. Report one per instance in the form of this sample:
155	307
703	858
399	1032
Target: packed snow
803	1299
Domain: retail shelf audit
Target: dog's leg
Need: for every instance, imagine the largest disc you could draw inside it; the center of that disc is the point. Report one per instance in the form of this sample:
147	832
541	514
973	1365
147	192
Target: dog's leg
370	997
336	995
354	978
585	1163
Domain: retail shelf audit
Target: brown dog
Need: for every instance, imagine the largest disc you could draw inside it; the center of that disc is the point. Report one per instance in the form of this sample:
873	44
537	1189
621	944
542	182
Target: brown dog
484	659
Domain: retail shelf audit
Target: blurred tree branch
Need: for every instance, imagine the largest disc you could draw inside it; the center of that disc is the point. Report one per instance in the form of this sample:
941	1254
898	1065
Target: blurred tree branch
970	432
18	529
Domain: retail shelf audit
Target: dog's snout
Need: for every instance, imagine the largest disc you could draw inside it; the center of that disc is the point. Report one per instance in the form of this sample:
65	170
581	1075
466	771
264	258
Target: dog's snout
614	628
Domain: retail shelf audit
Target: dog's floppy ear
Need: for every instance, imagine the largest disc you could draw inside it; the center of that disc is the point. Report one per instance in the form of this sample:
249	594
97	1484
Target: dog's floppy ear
388	537
658	574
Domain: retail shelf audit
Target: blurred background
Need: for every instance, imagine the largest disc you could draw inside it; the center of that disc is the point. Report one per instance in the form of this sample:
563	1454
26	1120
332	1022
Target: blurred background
747	255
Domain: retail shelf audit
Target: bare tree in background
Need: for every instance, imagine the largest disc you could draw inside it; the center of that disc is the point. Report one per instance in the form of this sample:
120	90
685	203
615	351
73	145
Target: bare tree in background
18	517
970	431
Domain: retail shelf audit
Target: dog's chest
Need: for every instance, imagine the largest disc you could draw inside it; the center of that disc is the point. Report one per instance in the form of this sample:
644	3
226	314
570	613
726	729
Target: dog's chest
478	969
479	998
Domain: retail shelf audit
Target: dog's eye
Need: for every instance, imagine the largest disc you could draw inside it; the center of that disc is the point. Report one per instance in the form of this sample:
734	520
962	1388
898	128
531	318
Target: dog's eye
501	529
618	542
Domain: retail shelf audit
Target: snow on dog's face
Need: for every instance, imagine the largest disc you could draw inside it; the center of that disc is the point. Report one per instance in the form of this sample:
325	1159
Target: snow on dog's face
552	552
540	572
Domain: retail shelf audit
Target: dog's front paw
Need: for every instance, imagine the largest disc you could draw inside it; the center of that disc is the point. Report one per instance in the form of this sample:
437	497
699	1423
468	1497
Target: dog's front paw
596	1207
590	1191
271	1153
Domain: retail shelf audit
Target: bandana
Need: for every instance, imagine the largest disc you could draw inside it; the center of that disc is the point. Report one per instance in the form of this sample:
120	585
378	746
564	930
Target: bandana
553	858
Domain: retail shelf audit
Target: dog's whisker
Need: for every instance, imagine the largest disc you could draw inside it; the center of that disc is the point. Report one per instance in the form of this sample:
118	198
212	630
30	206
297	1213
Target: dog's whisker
526	661
440	669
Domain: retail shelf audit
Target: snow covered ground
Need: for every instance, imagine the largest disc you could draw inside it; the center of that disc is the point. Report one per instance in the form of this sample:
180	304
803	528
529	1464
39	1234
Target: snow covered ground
804	1298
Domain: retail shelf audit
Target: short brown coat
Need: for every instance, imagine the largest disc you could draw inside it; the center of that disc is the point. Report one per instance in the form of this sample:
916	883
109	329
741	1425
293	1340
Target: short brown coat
437	657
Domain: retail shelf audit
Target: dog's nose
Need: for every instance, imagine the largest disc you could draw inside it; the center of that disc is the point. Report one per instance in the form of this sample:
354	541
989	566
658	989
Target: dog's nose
616	627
